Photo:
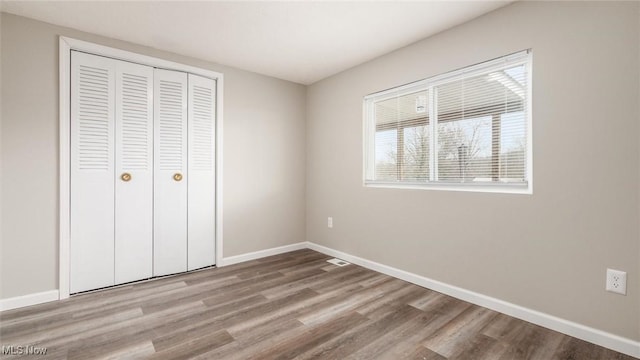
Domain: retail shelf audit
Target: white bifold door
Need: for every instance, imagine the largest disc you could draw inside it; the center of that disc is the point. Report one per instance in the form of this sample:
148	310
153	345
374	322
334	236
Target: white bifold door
202	175
142	172
92	172
111	172
134	172
170	191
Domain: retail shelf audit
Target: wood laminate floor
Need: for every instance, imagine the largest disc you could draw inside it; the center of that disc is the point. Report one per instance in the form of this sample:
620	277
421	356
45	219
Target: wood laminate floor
294	305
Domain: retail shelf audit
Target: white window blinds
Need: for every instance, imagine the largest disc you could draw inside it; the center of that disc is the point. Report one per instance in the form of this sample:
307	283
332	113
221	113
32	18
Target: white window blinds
463	128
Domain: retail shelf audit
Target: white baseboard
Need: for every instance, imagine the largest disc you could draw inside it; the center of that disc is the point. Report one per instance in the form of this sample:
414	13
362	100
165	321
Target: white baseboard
261	253
586	333
28	300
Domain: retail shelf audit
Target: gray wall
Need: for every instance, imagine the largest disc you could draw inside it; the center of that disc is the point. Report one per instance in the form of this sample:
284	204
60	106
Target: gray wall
547	251
264	155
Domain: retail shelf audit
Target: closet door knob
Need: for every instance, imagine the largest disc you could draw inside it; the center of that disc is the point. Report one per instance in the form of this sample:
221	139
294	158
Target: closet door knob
125	176
177	176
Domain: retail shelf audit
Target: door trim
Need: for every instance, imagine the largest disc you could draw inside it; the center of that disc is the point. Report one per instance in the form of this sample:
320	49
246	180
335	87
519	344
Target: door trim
67	44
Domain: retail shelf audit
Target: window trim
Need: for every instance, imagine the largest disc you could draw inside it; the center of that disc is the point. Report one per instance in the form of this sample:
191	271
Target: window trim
369	130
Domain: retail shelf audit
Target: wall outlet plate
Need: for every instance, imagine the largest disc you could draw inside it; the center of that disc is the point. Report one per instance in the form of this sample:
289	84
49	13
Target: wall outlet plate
617	281
330	222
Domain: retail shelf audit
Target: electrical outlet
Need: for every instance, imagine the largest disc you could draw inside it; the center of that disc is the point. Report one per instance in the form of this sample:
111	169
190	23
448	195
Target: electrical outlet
617	281
330	222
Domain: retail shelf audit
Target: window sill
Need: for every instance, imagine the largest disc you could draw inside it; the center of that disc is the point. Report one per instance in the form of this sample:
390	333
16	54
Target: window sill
504	188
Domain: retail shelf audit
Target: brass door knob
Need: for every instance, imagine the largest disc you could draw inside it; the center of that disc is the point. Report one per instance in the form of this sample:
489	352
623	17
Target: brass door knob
177	176
125	176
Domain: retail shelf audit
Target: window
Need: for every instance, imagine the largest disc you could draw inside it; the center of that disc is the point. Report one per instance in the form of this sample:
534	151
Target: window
469	129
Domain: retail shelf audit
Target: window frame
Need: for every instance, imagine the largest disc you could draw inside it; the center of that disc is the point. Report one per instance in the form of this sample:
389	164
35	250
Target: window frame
428	84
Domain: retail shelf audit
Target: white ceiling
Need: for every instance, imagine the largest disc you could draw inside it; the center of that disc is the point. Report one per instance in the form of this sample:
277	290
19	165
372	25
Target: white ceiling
300	41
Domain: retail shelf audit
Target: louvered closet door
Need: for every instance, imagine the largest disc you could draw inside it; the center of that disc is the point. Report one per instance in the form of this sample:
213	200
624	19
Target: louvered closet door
170	172
92	169
201	204
134	172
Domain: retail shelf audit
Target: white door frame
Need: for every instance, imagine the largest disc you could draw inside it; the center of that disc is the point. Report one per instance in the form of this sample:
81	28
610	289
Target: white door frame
68	44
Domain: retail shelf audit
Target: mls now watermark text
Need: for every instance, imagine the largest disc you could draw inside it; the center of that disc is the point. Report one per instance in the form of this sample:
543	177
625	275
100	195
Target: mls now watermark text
23	350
